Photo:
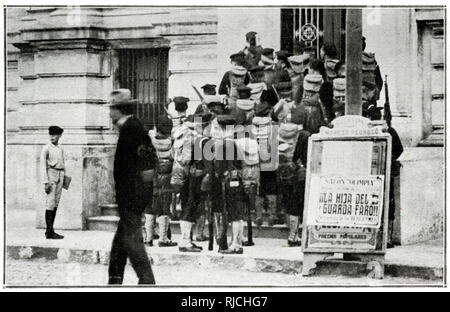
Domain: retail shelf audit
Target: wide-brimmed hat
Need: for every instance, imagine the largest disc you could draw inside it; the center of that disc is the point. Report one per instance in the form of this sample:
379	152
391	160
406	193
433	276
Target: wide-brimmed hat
121	97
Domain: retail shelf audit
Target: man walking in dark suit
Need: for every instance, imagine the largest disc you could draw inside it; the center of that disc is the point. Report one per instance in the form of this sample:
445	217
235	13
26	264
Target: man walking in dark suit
133	154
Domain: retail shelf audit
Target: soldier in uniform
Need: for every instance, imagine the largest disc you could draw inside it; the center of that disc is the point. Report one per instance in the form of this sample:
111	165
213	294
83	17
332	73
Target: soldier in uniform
328	54
227	172
370	64
177	112
267	58
247	148
339	85
299	64
134	151
374	113
315	113
194	207
237	76
266	136
52	173
257	84
252	50
162	190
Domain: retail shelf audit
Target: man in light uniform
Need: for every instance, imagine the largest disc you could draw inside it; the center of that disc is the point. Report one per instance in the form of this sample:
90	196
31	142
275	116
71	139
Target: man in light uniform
52	174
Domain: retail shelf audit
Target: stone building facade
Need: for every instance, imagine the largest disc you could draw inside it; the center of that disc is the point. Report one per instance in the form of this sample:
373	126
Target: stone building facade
62	62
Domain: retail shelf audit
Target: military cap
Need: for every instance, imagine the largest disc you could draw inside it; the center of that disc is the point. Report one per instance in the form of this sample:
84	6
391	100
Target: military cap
53	130
181	103
121	97
238	57
226	119
164	124
374	112
209	89
250	35
244	92
282	55
268	52
262	109
256	69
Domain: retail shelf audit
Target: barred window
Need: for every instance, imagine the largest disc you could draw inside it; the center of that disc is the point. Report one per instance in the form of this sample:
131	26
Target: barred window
145	73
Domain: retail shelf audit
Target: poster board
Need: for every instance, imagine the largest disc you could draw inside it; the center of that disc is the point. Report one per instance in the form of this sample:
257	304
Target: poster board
347	188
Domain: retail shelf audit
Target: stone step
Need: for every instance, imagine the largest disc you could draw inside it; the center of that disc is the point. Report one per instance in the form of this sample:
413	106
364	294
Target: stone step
109	210
109	223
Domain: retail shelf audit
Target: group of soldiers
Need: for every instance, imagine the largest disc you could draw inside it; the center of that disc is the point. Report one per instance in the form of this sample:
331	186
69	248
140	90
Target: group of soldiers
244	149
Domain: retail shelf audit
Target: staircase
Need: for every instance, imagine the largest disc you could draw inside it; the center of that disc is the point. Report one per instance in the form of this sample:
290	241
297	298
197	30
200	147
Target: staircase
109	218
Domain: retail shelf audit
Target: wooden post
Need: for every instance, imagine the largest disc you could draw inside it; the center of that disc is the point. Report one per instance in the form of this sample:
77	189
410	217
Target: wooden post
353	55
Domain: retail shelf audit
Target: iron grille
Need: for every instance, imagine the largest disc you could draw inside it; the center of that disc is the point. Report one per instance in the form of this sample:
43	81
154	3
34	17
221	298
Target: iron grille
145	73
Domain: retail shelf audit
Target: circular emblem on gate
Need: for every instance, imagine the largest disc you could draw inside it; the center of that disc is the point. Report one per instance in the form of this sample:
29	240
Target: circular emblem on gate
308	32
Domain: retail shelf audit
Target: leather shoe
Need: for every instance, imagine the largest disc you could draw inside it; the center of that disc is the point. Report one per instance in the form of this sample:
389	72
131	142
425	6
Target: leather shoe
53	235
247	243
167	244
232	251
188	249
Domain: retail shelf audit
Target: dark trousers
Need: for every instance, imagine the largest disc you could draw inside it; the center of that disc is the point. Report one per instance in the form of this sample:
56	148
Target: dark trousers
128	243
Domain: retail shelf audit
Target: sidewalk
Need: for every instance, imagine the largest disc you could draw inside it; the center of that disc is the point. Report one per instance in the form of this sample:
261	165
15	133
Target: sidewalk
23	241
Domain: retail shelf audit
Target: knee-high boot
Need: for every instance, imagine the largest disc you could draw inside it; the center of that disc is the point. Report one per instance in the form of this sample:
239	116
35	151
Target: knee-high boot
164	240
259	205
150	225
293	231
272	205
186	243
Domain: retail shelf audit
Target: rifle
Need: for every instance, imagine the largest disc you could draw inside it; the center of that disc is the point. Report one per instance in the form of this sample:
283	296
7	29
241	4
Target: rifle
251	199
210	223
205	108
223	245
387	106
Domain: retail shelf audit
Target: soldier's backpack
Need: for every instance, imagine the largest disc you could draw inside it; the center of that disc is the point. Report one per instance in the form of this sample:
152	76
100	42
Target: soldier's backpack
163	147
314	116
182	152
330	68
287	137
265	134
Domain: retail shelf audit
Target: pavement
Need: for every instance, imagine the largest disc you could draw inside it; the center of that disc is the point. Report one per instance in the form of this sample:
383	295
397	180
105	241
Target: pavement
424	260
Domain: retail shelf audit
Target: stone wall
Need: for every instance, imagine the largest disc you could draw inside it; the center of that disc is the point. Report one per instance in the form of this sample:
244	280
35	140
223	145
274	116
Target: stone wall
422	190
